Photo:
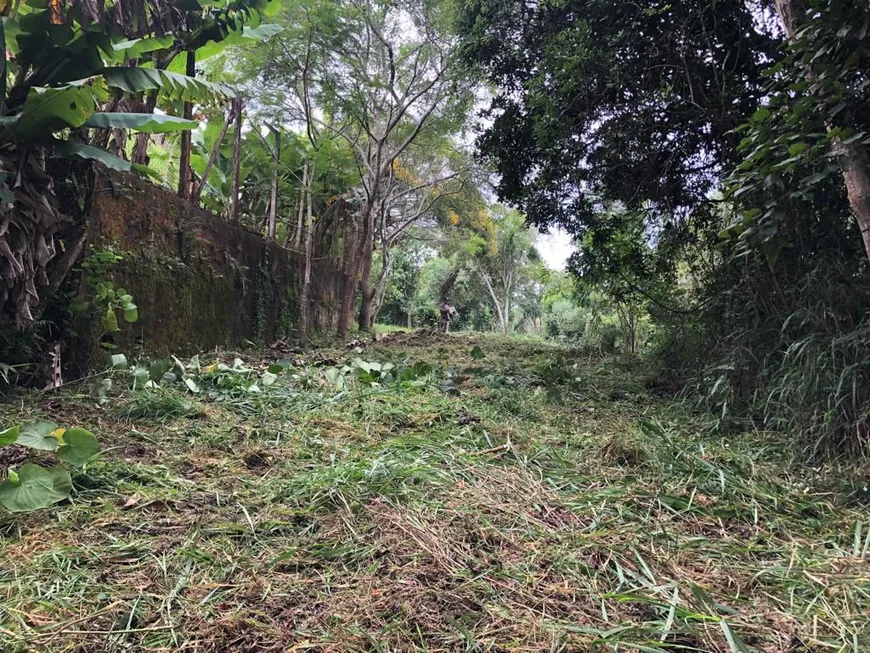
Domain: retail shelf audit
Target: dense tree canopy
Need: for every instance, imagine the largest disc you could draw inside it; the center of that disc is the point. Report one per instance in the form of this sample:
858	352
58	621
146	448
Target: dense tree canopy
597	101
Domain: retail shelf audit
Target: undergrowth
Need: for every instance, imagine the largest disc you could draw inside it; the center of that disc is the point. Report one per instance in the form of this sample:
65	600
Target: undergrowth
433	493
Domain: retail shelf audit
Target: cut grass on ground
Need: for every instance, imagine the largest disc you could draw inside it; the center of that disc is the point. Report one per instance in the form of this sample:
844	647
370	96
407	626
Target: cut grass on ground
510	496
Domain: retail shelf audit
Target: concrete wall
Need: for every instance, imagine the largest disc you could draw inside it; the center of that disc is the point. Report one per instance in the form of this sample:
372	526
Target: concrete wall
199	281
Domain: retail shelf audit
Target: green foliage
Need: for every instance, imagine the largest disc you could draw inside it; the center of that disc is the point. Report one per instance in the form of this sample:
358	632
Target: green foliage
150	123
157	404
102	299
621	515
39	435
403	286
70	65
377	374
9	435
32	487
174	85
485	261
815	105
714	222
70	149
599	103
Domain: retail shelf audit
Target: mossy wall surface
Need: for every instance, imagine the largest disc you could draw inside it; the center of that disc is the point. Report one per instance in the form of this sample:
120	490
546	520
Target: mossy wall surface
198	280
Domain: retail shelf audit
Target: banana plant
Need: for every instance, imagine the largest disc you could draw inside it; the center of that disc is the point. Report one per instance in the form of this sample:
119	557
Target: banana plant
68	68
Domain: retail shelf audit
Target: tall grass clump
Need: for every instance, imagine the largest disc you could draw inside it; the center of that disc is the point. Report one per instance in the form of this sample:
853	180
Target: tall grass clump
157	405
782	346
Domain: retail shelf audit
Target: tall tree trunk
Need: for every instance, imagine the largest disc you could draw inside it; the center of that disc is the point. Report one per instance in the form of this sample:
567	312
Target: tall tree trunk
304	303
367	293
856	173
300	216
488	283
273	201
791	12
288	235
382	281
237	160
853	156
348	294
184	176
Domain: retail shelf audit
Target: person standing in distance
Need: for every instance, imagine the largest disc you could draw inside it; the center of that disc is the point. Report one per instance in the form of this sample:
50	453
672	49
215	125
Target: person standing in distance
445	307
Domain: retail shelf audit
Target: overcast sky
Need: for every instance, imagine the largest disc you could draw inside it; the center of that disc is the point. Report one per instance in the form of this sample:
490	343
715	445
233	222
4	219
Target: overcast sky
555	248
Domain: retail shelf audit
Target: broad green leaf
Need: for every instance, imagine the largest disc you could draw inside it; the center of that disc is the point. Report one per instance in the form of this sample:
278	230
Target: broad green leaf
10	435
137	47
119	361
269	378
359	363
36	487
245	35
191	385
158	368
38	436
68	149
173	85
334	376
110	321
151	123
761	115
78	447
141	376
145	170
477	353
101	388
131	313
48	110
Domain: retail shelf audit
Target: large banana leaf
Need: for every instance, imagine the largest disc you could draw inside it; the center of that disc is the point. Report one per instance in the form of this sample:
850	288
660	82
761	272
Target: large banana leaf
152	123
137	47
173	85
237	37
47	110
69	149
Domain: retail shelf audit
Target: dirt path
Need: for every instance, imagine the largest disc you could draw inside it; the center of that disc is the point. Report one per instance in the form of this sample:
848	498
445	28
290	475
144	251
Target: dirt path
479	495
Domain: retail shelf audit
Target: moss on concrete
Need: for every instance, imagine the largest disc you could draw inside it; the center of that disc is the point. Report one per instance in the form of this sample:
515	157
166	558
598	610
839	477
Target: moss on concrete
199	281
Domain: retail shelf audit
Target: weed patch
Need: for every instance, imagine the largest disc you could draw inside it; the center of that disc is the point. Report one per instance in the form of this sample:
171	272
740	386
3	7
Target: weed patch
157	405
